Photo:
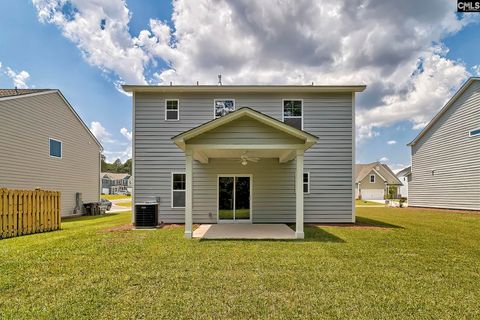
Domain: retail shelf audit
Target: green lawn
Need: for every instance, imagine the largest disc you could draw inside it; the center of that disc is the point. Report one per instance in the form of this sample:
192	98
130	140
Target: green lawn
115	196
366	203
397	264
124	204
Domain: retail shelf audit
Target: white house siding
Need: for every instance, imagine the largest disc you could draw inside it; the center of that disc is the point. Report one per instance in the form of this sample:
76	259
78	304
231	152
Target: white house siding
328	116
26	125
447	148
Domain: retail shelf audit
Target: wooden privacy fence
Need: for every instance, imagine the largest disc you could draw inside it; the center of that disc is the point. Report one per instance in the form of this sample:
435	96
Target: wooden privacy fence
28	211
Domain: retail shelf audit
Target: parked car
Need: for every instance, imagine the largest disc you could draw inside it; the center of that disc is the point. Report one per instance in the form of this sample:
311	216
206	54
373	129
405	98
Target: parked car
106	203
124	192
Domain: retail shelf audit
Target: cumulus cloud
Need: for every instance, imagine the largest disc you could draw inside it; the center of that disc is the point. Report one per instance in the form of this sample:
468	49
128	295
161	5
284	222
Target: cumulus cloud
391	142
19	79
476	70
392	46
384	159
127	134
100	132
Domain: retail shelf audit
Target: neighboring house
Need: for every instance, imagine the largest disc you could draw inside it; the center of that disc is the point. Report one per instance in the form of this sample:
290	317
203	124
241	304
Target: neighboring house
113	183
373	181
248	153
446	155
45	144
404	175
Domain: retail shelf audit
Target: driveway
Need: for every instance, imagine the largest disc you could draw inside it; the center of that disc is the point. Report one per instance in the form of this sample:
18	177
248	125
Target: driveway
117	208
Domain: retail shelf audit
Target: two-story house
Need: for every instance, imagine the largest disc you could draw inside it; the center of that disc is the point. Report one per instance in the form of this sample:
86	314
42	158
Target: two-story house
245	153
446	155
113	183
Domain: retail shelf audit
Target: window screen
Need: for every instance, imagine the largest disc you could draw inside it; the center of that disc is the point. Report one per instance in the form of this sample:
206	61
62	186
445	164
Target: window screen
293	113
55	148
171	110
178	190
224	107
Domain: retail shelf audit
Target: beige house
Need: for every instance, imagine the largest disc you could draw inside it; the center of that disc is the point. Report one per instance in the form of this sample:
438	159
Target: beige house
245	154
45	144
373	181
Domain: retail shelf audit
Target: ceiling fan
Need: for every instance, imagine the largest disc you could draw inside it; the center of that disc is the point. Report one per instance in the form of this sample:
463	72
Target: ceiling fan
244	159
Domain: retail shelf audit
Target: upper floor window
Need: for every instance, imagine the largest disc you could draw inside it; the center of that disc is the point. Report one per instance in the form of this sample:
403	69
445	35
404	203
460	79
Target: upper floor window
223	107
474	133
372	178
293	113
55	148
172	111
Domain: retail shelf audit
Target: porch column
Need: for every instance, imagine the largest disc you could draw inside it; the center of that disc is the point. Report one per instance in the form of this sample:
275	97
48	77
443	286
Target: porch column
299	195
188	193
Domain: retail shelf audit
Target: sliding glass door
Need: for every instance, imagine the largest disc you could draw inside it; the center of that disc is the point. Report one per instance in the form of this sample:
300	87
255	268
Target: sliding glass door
234	198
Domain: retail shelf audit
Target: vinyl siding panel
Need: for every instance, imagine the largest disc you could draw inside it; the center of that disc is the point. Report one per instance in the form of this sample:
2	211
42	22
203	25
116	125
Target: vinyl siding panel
26	125
326	115
379	182
447	149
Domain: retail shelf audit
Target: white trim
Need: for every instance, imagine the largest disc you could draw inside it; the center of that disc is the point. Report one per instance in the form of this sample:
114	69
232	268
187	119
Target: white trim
178	109
308	182
49	148
244	88
299	196
251	198
370	178
293	117
474	135
171	188
215	106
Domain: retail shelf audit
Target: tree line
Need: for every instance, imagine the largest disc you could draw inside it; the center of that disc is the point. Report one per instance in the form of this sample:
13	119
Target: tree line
117	166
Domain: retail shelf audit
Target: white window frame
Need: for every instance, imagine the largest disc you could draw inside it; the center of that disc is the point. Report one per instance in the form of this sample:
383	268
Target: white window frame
49	148
294	117
172	191
222	99
473	135
178	109
370	178
308	183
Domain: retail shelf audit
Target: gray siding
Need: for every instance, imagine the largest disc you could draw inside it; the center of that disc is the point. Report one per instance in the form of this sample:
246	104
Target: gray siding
455	157
26	125
328	116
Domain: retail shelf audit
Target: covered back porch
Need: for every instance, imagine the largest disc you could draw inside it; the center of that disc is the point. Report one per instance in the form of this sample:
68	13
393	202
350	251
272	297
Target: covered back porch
245	137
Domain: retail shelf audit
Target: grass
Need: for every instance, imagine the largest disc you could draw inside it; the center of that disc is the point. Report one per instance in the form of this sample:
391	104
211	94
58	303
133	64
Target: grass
366	203
115	196
397	264
124	204
239	214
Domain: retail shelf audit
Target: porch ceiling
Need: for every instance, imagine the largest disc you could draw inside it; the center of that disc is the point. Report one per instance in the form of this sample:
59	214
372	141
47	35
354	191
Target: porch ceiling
283	155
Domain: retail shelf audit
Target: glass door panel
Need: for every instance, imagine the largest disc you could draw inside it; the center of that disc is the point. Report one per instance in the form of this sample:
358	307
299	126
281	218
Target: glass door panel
242	198
225	198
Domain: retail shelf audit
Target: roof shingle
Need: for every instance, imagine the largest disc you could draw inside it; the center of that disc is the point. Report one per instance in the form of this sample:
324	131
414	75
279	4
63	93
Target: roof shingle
18	92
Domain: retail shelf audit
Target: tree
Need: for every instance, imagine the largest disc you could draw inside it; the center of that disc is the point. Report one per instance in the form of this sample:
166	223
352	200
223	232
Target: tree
117	166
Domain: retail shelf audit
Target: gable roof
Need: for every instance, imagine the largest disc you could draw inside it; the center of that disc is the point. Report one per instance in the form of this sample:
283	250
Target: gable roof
180	139
19	92
384	171
115	176
7	94
405	172
244	88
444	109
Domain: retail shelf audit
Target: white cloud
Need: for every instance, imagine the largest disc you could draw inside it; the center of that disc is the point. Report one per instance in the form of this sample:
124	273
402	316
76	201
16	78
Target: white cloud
384	159
475	68
391	142
19	79
392	46
127	134
100	132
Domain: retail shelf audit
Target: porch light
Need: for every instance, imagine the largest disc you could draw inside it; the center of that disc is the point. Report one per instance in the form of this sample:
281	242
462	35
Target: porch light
244	162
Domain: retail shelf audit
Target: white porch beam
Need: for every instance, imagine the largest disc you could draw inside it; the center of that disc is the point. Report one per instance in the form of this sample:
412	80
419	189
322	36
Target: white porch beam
201	156
287	156
299	234
188	193
246	146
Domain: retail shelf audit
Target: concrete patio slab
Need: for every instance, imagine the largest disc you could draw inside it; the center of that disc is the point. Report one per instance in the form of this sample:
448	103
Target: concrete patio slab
244	231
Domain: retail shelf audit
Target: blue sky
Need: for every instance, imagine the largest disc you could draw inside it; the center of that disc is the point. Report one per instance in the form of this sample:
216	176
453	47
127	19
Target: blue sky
55	50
